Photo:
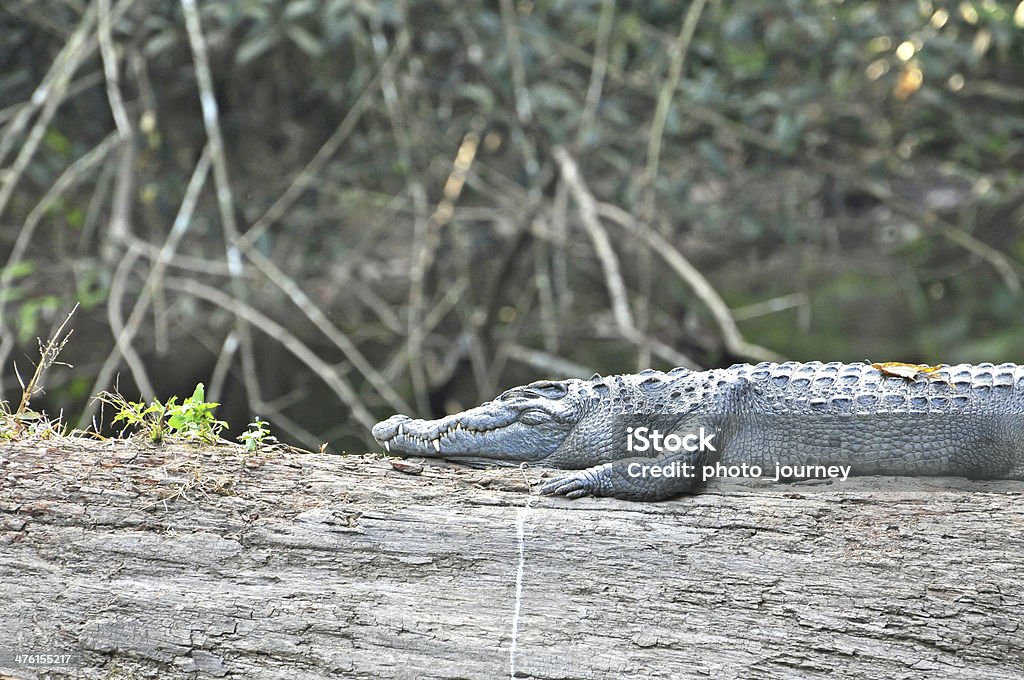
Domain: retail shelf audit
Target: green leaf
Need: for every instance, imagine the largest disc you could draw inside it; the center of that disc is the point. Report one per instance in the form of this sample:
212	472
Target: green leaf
57	141
17	270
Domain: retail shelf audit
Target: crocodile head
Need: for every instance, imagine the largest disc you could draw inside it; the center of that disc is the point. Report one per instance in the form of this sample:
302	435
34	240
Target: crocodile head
567	423
525	424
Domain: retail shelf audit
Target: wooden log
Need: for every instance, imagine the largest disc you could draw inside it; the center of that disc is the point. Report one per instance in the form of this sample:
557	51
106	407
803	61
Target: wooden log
174	562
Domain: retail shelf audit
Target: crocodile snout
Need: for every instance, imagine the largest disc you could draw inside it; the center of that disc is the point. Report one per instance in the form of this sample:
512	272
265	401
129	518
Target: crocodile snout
387	429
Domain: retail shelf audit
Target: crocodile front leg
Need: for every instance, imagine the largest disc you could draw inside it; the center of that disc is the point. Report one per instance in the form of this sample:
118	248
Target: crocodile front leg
634	479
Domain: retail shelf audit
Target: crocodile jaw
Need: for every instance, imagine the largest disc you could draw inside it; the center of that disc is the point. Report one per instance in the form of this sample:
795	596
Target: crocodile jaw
474	437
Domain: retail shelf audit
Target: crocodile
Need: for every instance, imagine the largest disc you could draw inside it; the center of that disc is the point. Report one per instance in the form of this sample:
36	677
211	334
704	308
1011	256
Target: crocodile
803	418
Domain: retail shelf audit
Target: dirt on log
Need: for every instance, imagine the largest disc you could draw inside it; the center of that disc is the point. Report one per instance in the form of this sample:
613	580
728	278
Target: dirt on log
163	562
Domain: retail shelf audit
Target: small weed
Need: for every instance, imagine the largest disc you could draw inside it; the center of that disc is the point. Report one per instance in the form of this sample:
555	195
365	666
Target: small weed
257	436
191	420
24	420
30	423
7	425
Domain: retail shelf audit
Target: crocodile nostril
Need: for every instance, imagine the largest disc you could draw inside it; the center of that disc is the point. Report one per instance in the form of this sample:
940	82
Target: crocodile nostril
386	429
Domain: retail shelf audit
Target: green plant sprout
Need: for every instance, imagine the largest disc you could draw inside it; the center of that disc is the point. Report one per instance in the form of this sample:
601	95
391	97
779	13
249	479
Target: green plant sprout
257	435
192	420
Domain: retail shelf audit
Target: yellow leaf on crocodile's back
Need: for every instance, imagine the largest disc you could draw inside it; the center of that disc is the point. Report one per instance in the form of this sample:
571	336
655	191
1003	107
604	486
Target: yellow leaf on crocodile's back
900	369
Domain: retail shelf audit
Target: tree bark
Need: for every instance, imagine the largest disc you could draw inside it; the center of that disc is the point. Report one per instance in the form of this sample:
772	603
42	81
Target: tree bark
170	562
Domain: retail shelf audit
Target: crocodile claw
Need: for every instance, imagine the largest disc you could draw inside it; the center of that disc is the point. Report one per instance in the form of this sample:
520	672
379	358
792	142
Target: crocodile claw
571	486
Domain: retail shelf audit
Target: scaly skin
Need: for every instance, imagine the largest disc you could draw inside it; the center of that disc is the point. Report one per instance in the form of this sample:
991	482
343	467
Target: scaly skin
962	421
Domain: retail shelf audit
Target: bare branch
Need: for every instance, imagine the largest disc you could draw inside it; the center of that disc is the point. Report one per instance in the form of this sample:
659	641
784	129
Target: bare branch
72	175
598	70
599	238
328	373
118	292
225	200
692	277
524	111
336	335
665	96
424	259
125	333
316	164
111	71
589	209
49	96
1008	270
543	361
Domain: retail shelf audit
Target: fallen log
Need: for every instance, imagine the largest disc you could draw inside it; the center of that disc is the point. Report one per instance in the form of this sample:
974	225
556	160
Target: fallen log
144	561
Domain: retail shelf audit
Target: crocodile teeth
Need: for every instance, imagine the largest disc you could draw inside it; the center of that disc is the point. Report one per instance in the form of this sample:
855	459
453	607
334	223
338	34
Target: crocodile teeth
437	444
400	432
387	446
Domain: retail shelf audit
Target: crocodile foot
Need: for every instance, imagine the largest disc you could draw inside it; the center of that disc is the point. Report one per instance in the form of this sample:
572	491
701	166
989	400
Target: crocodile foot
583	483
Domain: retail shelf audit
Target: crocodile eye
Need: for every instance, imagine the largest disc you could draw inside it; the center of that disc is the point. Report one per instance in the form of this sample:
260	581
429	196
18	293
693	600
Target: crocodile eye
546	389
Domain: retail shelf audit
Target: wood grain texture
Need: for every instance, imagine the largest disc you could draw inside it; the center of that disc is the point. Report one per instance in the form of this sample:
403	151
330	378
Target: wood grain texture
178	562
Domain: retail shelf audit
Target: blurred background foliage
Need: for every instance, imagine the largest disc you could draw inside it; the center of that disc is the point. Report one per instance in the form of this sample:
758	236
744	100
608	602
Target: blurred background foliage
846	175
